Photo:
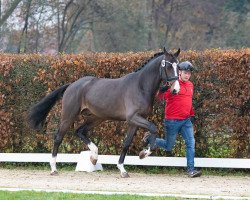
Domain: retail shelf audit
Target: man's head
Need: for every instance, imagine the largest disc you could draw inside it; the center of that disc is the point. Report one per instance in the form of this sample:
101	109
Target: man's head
185	69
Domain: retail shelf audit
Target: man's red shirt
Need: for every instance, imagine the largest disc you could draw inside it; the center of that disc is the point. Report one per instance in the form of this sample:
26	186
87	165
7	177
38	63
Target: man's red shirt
179	106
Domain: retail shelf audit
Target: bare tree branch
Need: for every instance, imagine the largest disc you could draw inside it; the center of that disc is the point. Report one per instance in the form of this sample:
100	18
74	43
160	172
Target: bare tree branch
71	25
23	39
9	11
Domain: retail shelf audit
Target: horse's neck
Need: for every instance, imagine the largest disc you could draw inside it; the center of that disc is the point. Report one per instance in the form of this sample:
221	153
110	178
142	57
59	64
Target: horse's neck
149	79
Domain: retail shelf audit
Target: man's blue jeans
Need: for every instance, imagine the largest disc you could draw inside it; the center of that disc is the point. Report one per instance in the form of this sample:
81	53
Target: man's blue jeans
172	128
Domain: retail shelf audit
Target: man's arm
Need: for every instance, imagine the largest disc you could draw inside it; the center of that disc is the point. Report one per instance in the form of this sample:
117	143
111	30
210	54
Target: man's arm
163	92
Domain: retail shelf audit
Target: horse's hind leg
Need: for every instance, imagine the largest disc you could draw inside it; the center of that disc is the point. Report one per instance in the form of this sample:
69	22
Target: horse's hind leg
82	133
70	110
127	141
57	142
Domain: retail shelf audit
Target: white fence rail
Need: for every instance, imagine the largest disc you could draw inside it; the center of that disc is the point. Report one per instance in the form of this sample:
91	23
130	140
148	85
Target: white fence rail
129	160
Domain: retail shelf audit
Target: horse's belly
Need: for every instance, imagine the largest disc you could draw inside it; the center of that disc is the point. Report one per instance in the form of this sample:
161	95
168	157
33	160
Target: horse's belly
106	108
108	114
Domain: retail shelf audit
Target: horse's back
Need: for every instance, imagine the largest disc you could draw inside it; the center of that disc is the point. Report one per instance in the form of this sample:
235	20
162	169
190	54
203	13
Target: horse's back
78	85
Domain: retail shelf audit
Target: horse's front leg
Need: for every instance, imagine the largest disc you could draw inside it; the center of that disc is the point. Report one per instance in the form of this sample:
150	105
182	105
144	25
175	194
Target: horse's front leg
94	153
82	133
127	141
142	122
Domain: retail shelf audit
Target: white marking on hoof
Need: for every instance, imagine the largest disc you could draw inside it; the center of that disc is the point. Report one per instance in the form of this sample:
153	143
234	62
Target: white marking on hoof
54	173
124	173
93	161
145	153
94	151
53	165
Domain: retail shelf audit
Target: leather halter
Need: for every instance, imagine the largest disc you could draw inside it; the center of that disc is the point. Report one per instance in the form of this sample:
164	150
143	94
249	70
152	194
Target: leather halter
163	71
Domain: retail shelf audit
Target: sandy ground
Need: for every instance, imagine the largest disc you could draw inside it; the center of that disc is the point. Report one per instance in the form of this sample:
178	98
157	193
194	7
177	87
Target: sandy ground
138	182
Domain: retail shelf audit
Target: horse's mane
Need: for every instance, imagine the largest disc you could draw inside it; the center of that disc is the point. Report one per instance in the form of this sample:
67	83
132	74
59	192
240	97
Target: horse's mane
154	56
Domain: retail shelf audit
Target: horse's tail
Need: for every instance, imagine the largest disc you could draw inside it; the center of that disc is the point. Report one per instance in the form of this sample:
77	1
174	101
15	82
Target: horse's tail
39	111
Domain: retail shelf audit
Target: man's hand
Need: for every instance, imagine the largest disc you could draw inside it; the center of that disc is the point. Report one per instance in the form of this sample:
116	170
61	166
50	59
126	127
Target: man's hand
164	88
193	119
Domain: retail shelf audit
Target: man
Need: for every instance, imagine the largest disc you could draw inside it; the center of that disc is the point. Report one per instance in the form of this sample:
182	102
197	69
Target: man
178	113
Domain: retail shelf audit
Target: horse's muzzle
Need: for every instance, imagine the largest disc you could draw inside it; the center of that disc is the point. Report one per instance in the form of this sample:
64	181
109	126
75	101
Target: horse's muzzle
174	91
175	87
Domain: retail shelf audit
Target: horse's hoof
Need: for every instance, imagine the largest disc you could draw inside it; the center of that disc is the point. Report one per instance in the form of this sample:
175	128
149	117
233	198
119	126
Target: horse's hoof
142	154
124	175
54	173
93	160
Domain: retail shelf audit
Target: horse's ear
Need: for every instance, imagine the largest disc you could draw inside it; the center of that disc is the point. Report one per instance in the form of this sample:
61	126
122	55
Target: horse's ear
176	54
165	51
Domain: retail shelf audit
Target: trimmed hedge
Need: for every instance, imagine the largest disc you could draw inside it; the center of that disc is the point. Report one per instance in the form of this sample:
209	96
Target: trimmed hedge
221	101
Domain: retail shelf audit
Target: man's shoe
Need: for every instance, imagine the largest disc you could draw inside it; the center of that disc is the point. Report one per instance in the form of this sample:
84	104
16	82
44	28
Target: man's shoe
194	173
145	139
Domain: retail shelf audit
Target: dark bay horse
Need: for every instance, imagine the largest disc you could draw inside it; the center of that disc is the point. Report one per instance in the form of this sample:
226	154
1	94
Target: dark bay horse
129	98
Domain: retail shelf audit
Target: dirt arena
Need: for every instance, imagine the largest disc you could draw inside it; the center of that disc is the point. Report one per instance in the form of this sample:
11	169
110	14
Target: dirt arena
137	183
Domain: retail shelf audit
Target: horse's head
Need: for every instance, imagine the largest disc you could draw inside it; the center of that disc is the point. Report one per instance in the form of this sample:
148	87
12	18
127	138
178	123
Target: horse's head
169	71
